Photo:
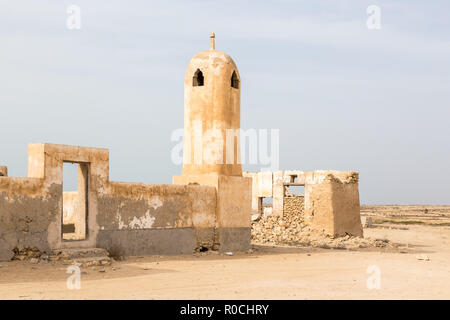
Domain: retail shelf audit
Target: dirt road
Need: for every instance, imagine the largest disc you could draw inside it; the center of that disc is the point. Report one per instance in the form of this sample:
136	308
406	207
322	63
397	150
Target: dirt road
267	273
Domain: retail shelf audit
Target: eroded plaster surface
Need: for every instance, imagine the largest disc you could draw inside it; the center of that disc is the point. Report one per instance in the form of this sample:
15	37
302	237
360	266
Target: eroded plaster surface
32	209
211	144
331	198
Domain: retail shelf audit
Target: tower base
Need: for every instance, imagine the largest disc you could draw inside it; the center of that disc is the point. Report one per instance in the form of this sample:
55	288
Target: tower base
233	208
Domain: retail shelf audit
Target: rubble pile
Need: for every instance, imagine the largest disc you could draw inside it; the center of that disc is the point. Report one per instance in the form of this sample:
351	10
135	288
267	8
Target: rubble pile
32	255
291	229
82	256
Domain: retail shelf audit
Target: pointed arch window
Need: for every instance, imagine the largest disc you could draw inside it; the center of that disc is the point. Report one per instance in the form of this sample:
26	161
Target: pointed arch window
198	79
234	80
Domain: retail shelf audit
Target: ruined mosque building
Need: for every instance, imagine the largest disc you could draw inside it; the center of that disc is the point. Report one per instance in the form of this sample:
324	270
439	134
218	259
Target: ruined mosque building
209	205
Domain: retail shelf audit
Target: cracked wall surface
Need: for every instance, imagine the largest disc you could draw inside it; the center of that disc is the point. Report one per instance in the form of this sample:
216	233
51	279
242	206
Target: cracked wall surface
331	199
137	218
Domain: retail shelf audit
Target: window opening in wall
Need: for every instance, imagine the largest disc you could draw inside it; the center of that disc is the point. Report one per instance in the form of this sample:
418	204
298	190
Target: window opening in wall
198	79
234	80
294	191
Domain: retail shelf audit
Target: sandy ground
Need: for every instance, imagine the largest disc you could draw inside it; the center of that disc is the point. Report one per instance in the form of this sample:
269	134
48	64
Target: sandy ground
409	214
267	273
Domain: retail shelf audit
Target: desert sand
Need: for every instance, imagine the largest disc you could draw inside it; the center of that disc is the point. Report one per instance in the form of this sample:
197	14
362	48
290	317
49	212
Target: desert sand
418	267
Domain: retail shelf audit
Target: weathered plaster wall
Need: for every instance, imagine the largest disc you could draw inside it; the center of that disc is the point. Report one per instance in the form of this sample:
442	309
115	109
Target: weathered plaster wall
154	212
232	215
331	197
332	202
261	187
278	193
209	111
135	218
28	207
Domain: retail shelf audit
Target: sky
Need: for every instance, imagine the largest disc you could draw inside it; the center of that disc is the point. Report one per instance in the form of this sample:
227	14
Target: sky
343	96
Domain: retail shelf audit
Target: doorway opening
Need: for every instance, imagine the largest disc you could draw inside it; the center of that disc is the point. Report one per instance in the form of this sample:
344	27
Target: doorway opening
74	224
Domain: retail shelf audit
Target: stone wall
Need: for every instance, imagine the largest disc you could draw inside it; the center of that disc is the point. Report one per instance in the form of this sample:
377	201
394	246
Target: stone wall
294	205
3	171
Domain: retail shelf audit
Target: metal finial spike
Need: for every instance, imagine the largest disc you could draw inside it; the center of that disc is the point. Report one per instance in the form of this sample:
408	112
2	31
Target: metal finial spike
213	43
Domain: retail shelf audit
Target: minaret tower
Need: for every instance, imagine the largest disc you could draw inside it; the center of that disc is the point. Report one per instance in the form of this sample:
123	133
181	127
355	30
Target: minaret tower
212	114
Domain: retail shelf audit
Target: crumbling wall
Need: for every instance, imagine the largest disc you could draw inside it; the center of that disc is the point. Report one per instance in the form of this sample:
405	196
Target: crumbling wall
261	188
131	217
332	202
3	171
28	207
232	213
156	219
272	184
278	194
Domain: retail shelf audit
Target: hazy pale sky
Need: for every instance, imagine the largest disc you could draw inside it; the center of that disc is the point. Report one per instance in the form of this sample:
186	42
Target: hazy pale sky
344	97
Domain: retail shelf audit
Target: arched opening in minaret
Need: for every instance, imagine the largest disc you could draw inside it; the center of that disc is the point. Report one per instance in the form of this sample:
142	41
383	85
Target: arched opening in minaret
234	81
198	79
